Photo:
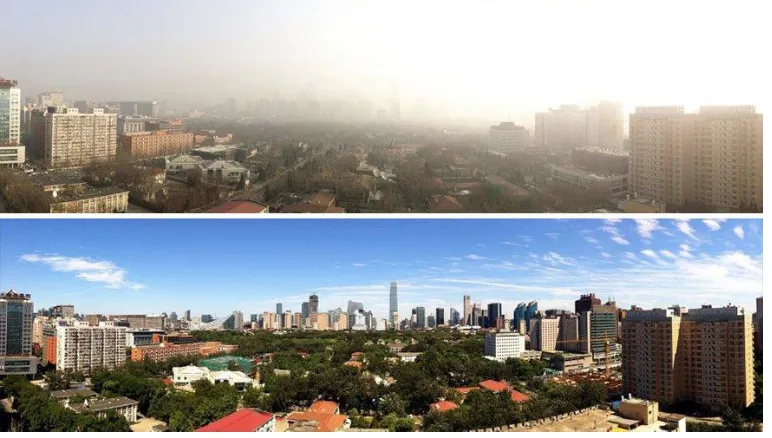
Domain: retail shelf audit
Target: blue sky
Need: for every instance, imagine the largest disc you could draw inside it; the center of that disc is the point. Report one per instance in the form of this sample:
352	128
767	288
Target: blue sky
217	266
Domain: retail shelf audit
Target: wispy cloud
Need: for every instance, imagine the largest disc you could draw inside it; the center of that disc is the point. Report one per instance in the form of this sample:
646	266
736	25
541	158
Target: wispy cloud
646	227
359	265
684	227
96	271
616	236
713	224
475	257
739	232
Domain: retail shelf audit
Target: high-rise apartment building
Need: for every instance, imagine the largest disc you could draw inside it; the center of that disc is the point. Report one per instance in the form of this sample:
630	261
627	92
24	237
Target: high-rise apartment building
710	158
393	306
700	355
502	346
604	126
563	128
507	138
16	330
73	139
598	327
87	348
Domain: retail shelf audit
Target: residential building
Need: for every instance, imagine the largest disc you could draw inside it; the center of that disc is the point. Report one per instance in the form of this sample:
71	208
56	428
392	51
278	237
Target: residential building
563	128
16	321
593	183
712	158
505	345
87	348
65	311
167	350
131	124
321	416
141	145
605	126
50	98
507	138
758	326
598	327
243	420
76	140
91	200
141	337
701	355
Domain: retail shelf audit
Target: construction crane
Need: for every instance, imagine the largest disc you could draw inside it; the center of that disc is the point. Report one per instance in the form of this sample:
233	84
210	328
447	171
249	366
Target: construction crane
606	349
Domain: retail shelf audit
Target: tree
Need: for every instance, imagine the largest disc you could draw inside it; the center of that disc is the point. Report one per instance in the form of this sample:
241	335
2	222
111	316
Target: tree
393	404
733	420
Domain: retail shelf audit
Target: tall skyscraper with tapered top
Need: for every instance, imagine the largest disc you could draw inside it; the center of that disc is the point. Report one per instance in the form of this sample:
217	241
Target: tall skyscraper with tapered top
393	299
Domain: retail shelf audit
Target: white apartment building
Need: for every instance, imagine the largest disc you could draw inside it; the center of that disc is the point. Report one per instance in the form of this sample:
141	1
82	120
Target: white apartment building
74	139
544	334
10	112
86	348
507	138
502	346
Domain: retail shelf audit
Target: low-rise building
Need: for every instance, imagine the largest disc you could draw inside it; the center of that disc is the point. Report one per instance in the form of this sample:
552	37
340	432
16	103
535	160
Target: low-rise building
243	420
167	350
12	155
591	182
121	405
141	145
321	416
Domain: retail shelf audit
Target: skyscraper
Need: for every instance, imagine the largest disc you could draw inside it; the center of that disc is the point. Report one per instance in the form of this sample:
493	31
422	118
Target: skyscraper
455	318
393	306
440	318
494	313
187	316
585	303
279	313
420	314
16	320
313	302
530	312
519	314
305	310
467	310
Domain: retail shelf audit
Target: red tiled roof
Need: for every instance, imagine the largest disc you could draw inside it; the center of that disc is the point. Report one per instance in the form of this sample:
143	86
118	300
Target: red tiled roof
167	381
445	203
243	420
324	422
239	207
519	397
494	385
443	406
323	407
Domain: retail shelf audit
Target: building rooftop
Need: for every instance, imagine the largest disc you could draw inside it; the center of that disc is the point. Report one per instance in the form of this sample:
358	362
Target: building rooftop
215	149
103	405
57	178
443	406
13	295
239	207
243	420
68	393
88	193
324	407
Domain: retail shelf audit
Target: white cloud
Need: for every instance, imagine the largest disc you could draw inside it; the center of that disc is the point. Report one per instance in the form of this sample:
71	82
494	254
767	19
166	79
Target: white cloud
606	255
650	253
475	257
739	232
684	227
713	224
358	265
620	240
646	227
592	240
668	254
95	271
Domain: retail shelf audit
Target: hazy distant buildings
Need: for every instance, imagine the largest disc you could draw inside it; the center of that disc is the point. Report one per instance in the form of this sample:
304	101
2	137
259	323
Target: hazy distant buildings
605	126
50	98
507	138
16	321
701	355
712	158
73	139
562	128
137	108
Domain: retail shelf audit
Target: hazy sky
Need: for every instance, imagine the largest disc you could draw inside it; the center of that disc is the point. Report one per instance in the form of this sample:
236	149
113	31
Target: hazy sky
217	266
478	56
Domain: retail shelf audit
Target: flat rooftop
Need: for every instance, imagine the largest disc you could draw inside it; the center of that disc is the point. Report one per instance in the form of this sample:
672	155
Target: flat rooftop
215	149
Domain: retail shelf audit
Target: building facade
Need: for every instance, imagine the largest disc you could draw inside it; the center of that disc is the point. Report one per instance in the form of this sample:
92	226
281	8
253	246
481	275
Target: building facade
713	157
87	348
502	346
700	355
16	330
73	139
140	145
507	138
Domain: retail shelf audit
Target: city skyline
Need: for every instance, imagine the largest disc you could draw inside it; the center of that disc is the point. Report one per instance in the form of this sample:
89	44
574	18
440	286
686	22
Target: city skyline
648	263
337	49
